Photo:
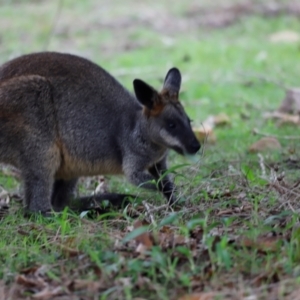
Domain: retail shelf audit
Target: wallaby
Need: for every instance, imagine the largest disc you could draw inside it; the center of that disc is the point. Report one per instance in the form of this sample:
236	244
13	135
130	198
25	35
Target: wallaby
62	117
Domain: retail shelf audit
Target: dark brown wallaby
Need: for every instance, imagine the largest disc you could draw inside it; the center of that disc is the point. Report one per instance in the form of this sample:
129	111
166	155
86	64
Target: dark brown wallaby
62	116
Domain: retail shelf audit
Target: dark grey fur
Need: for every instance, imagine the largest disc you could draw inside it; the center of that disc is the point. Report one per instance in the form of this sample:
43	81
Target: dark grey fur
62	116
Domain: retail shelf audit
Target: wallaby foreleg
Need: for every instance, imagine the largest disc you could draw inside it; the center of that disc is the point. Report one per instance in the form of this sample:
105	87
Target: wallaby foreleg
165	184
150	179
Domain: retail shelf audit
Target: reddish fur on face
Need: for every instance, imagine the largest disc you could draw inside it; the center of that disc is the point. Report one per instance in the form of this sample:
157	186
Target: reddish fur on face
163	98
169	96
155	111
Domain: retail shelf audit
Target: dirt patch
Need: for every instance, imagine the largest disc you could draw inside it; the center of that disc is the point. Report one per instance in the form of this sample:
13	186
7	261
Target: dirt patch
198	14
222	14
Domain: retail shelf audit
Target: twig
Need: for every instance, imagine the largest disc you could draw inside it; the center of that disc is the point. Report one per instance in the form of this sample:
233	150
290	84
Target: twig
291	207
288	137
147	206
262	165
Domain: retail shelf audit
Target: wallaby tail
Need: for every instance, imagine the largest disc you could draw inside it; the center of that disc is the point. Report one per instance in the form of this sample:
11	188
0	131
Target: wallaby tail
96	202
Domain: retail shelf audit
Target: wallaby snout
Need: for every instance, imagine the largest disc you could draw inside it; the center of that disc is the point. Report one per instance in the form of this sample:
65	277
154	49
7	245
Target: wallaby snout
193	147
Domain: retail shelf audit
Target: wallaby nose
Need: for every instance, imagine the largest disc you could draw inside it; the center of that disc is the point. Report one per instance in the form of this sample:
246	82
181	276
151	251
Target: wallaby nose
194	146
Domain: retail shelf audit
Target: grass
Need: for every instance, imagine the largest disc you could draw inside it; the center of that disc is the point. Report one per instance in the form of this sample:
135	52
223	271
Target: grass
237	234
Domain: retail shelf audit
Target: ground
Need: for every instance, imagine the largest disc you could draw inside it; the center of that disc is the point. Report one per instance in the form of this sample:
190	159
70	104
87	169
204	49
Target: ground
235	234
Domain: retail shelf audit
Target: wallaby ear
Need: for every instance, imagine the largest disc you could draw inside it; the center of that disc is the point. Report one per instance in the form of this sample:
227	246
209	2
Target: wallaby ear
173	81
145	93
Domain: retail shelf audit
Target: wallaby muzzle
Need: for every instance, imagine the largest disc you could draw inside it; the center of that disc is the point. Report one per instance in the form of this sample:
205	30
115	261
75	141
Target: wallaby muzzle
193	147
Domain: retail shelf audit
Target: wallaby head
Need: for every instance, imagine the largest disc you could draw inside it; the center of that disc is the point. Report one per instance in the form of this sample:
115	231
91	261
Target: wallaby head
167	122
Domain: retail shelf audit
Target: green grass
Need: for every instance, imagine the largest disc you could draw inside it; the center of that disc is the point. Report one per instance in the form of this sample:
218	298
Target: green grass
237	233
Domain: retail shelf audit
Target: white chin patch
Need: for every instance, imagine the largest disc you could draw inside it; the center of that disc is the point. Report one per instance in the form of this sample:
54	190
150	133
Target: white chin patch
170	140
192	158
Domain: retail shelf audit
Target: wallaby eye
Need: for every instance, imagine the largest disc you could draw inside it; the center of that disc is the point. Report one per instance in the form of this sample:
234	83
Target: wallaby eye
171	125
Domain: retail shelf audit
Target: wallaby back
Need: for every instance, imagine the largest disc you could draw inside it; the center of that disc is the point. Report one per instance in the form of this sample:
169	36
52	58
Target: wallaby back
62	116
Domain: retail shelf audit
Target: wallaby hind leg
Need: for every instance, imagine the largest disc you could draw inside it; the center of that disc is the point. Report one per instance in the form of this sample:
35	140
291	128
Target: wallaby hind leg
63	192
38	182
28	130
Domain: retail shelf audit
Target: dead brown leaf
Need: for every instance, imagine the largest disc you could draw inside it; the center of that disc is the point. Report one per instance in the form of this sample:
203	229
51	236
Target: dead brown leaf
283	118
264	144
205	133
67	251
166	229
30	270
221	119
48	293
272	243
30	282
144	240
81	284
285	36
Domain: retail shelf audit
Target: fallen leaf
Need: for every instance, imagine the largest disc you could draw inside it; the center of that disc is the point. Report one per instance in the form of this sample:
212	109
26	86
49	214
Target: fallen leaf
283	118
205	133
221	119
81	284
48	293
265	143
67	251
285	36
144	240
30	282
262	243
30	270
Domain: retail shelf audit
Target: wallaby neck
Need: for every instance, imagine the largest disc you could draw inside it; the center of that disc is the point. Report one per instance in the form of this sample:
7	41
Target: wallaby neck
142	129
